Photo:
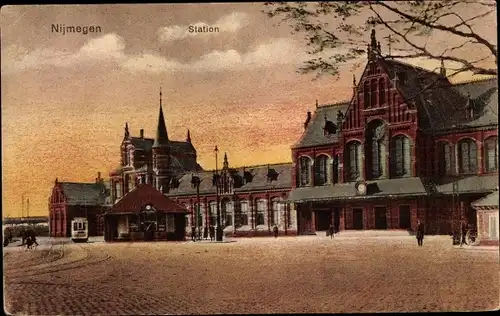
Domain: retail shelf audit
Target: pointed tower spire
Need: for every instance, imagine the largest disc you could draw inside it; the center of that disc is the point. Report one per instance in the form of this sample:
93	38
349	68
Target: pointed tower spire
127	134
226	163
161	139
188	137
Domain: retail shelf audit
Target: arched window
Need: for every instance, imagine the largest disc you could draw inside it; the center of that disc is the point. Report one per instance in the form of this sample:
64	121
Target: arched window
366	94
381	92
467	153
275	212
353	155
321	169
375	149
261	211
244	212
445	158
373	93
304	165
491	154
401	156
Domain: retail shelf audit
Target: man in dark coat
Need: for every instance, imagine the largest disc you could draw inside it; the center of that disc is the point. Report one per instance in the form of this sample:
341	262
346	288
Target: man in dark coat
212	232
275	231
331	231
463	230
193	233
420	233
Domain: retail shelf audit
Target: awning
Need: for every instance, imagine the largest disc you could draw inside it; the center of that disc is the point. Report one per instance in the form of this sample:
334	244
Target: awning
470	184
385	188
491	200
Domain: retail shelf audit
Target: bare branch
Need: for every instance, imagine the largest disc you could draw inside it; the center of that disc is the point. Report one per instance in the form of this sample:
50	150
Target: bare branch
478	38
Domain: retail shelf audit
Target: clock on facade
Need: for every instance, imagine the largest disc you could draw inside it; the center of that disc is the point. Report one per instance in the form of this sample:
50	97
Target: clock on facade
361	187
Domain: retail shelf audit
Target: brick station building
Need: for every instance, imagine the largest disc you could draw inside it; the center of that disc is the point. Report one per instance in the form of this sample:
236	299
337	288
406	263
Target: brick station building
71	199
408	145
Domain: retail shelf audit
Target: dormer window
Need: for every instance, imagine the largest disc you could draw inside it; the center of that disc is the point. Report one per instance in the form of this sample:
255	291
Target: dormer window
330	128
470	113
272	175
247	176
174	183
215	179
195	181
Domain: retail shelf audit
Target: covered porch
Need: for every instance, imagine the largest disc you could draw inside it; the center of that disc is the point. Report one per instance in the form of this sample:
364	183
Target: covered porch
145	214
487	219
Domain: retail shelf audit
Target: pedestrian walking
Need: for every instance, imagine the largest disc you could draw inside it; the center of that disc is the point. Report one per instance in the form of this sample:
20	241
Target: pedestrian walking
275	230
212	232
464	229
332	230
420	233
193	233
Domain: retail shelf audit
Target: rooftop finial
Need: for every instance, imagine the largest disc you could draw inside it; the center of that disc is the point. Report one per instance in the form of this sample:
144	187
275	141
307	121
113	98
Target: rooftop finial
188	137
160	95
127	134
317	104
354	80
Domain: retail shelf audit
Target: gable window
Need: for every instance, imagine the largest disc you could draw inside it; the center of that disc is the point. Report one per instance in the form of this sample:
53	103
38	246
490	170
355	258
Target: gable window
366	94
401	156
353	155
491	154
227	214
304	166
373	92
381	92
375	149
467	152
320	166
261	210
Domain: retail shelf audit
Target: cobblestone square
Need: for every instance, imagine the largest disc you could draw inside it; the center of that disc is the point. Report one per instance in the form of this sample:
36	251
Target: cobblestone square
307	274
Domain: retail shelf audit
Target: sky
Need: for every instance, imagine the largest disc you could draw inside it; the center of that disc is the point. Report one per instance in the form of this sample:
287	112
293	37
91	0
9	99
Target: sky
66	98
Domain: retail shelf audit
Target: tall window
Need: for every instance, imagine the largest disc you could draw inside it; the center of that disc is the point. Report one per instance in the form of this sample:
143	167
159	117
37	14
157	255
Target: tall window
213	213
375	149
366	94
305	164
353	160
467	152
199	215
320	167
275	212
244	212
261	211
445	158
127	158
491	154
227	214
373	92
401	156
381	92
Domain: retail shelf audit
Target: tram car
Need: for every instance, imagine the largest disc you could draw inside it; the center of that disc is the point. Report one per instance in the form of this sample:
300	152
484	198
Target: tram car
79	229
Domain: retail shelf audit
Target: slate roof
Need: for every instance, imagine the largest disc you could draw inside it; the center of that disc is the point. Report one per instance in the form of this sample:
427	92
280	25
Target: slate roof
314	134
258	182
489	200
84	193
146	144
379	188
136	200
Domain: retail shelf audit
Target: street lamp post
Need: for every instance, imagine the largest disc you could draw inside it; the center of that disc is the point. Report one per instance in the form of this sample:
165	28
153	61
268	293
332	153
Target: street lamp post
218	230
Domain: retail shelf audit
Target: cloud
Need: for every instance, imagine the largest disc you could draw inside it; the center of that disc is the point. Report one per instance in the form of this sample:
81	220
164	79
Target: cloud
111	48
230	23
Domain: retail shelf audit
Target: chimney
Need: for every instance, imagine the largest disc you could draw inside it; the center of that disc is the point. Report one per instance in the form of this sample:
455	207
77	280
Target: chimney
98	179
142	133
308	119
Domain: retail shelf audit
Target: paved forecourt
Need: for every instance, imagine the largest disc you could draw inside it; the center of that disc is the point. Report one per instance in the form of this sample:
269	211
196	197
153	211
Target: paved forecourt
306	274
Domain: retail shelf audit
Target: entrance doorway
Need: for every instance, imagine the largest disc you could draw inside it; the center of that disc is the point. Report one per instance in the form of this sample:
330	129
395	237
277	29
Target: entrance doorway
404	217
380	218
336	219
305	219
323	220
357	218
